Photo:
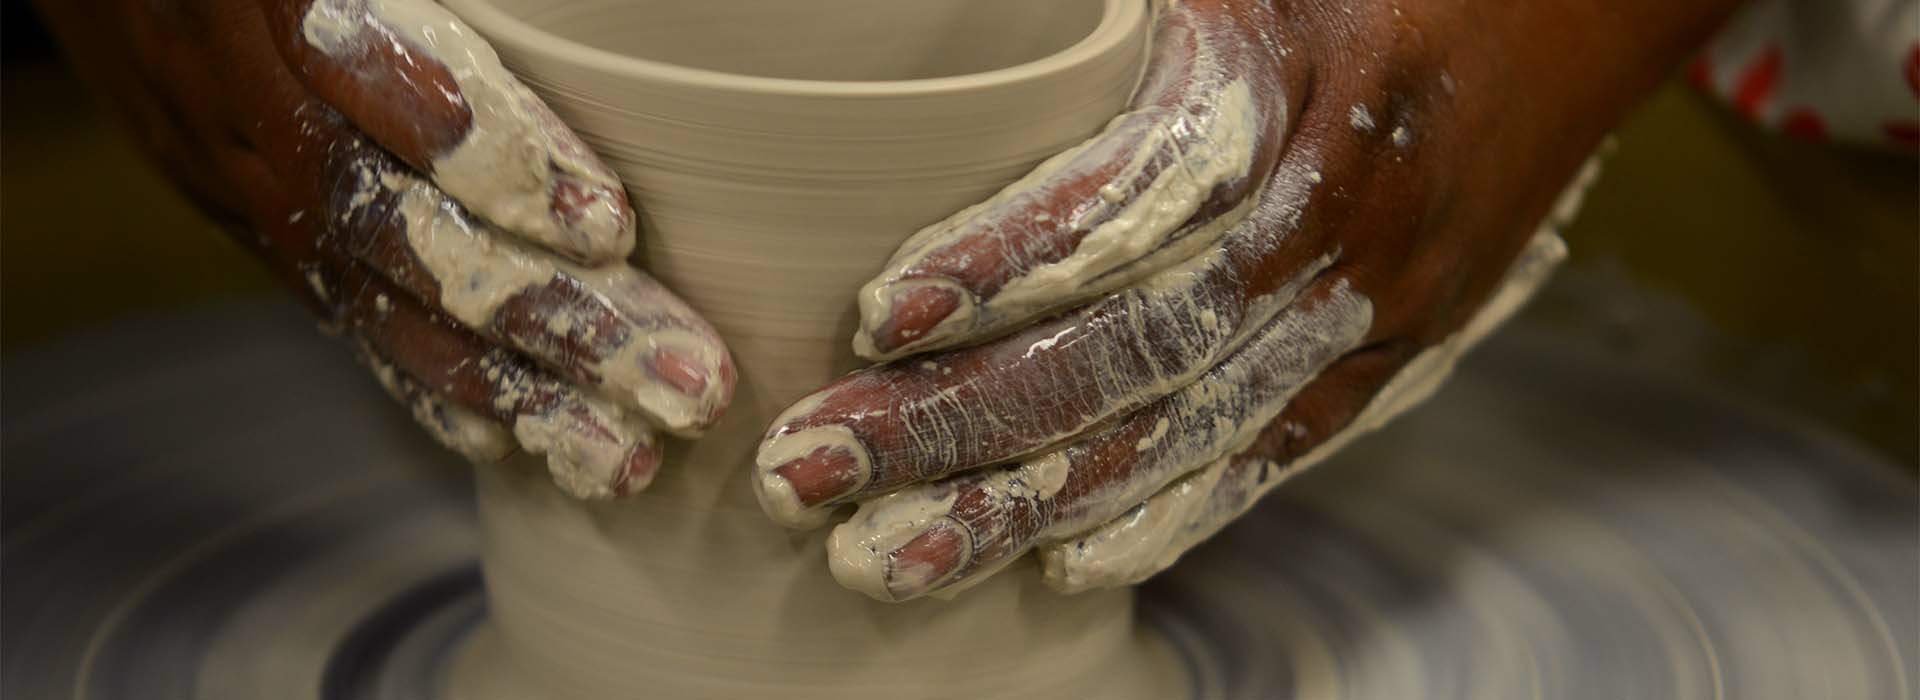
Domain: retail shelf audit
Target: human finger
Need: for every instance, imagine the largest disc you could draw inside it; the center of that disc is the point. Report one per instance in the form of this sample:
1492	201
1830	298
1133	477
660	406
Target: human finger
914	420
427	88
1149	537
947	533
1353	397
477	437
611	327
594	449
1158	186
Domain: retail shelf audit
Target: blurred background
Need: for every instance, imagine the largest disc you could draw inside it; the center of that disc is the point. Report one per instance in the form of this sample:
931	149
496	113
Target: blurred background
1780	270
188	472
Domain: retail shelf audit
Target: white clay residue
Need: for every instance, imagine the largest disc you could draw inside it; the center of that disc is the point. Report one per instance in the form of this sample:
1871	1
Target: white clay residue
1036	479
1189	314
857	551
1158	336
584	468
1159	431
1141	228
1201	422
461	430
588	441
1143	528
510	163
1135	238
775	494
1227	407
318	285
1360	118
478	272
1154	535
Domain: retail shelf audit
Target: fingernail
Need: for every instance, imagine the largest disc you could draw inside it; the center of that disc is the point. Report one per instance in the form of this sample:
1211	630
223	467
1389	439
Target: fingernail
823	475
914	314
901	545
724	396
925	562
680	371
592	451
800	474
693	388
597	217
642	464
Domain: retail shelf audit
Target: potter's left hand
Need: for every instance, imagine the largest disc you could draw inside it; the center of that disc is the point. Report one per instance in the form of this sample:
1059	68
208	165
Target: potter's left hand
1307	211
429	208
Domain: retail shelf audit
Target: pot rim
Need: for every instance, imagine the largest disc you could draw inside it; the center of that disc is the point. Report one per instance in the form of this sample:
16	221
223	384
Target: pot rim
1118	21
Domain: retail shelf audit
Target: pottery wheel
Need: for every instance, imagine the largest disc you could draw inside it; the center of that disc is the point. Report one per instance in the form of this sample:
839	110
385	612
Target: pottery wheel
221	505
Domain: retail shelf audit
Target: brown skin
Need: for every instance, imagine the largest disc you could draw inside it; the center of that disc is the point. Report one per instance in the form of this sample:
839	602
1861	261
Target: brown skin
1501	103
1427	231
275	139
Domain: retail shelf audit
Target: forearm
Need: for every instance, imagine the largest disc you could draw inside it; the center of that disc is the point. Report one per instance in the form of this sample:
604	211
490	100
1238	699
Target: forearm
1597	57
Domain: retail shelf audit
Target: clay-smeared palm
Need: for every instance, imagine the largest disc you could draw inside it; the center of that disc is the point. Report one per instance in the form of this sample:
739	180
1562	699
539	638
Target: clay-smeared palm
1284	242
428	206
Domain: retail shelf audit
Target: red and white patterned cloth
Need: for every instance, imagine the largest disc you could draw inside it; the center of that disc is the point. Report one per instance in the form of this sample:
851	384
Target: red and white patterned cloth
1840	70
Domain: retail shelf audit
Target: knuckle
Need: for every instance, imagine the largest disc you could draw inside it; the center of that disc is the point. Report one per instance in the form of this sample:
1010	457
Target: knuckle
364	210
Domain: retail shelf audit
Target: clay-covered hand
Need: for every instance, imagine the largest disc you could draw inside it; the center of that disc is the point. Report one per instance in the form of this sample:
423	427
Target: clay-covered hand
1307	211
383	163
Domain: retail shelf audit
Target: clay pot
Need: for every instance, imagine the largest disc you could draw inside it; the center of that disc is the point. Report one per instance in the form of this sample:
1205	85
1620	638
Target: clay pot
779	151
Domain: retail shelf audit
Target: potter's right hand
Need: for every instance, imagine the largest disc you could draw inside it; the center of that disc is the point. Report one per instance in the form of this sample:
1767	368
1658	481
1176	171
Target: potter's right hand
1306	212
429	208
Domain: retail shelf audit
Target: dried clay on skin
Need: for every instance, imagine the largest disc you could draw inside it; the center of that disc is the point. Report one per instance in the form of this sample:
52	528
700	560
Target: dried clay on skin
1134	242
1209	418
510	167
479	271
1151	340
1152	536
